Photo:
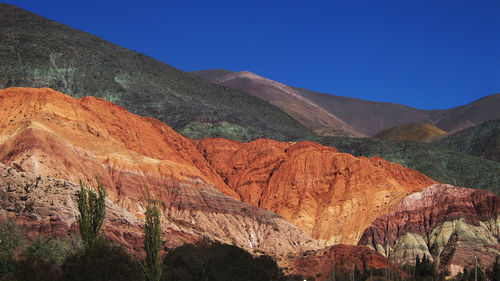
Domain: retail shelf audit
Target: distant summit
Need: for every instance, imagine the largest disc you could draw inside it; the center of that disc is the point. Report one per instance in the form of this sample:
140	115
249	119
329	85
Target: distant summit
416	132
309	114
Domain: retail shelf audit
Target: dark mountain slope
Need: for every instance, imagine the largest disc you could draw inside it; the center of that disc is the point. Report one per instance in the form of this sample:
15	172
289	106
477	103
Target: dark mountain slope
482	141
370	117
472	114
37	52
211	74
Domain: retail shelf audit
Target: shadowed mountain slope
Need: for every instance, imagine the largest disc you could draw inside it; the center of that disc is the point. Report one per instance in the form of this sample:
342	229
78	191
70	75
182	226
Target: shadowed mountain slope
211	74
372	117
481	141
416	132
37	52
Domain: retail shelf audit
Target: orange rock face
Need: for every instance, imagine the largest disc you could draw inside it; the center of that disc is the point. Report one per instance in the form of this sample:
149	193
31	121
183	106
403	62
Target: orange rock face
43	132
331	196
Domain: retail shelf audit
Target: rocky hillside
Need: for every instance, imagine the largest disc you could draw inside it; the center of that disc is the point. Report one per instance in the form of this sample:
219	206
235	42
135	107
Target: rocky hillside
37	52
331	196
46	133
481	141
287	98
447	224
217	188
416	132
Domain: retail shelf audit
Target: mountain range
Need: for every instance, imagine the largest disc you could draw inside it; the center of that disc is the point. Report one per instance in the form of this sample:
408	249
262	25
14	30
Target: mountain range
37	52
366	117
239	158
278	198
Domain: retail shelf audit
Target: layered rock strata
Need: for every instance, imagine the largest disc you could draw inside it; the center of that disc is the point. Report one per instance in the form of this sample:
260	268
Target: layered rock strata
447	224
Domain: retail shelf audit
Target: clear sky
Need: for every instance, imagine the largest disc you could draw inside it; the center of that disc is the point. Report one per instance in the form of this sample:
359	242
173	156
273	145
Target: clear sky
423	53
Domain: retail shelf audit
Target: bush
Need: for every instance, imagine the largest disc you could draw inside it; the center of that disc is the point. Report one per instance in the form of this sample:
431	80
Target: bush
207	261
11	237
101	261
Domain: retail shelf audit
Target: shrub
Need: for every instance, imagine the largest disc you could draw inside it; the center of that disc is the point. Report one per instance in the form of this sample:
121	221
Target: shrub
207	261
101	261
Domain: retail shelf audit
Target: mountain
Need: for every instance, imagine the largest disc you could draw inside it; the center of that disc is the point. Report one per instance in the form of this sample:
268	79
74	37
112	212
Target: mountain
372	117
45	133
329	195
37	52
472	114
447	224
416	132
211	74
214	188
288	99
366	118
481	141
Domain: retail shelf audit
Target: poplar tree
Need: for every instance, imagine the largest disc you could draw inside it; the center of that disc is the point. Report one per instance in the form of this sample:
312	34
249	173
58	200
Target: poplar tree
152	240
92	208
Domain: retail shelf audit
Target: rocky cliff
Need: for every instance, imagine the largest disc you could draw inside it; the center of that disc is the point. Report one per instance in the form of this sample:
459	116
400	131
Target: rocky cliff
447	224
331	196
43	132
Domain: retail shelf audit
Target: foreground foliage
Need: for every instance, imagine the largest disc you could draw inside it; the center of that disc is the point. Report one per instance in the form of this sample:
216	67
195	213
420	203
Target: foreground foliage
211	261
92	208
151	264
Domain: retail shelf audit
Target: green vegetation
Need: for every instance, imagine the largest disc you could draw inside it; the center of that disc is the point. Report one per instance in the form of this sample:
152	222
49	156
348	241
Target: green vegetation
92	208
101	261
481	141
36	52
442	165
10	240
207	261
152	240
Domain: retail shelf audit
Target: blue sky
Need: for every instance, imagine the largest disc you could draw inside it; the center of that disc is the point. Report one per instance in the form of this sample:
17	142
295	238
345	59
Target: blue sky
426	54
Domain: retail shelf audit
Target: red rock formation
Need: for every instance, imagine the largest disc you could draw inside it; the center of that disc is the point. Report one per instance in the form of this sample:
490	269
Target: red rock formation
326	263
319	190
46	133
331	196
448	224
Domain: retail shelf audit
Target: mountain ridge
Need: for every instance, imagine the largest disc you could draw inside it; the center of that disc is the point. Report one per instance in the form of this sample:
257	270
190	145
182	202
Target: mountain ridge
81	64
371	117
288	99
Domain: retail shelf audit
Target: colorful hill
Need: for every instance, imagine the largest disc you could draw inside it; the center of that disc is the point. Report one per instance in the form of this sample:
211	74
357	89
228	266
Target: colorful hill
416	132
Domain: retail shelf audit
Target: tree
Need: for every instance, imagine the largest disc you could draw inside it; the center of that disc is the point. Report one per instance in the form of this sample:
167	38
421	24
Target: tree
151	264
494	272
11	237
92	208
213	261
101	261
